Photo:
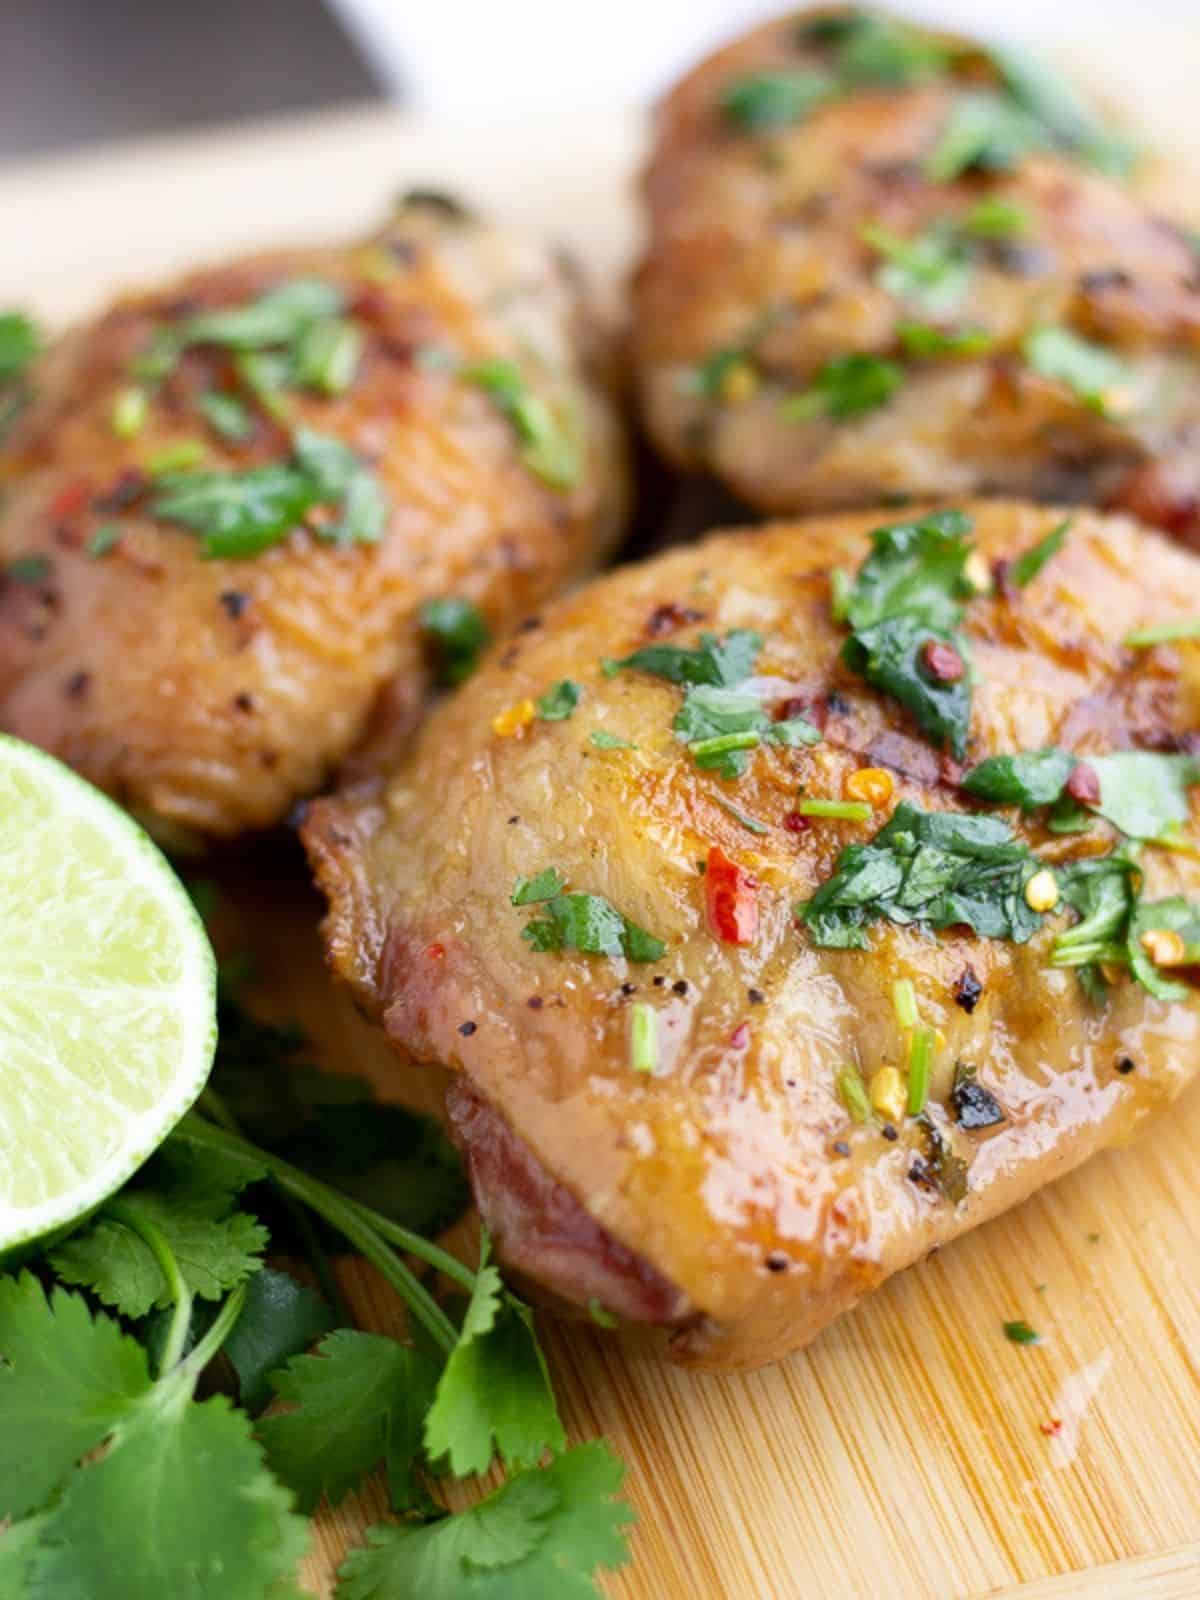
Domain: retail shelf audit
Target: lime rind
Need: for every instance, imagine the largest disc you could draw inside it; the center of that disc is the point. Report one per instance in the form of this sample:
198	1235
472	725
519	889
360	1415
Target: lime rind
107	996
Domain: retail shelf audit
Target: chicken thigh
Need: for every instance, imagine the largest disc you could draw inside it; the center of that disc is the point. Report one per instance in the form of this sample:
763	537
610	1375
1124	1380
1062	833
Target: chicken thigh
792	903
228	499
884	262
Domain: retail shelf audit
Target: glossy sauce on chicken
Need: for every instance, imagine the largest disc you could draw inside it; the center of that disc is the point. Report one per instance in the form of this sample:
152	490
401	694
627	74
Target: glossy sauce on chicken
886	261
678	1096
228	499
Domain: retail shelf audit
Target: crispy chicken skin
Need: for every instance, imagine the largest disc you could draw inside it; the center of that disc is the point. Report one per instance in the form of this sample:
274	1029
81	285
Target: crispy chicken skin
208	695
728	1193
768	258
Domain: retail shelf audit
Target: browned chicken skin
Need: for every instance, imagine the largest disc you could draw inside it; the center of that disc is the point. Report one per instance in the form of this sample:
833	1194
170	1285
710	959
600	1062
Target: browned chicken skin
726	1190
782	245
208	694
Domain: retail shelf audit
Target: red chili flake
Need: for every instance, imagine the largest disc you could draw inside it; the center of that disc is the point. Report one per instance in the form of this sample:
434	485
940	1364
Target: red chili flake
942	661
70	500
794	706
435	952
1052	1428
740	1037
669	616
731	899
795	823
949	770
1084	785
370	304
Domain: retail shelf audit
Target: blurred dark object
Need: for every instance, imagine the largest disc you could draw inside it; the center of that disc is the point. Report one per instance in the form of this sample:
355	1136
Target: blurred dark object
74	72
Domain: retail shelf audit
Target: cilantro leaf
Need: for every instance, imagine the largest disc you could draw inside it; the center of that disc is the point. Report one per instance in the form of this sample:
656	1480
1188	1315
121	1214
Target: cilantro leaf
241	514
458	635
225	415
495	1386
723	663
1059	107
354	1399
279	1319
1089	370
544	886
601	739
218	1515
548	449
1175	916
931	270
216	1248
930	869
1033	778
986	133
877	49
559	702
1144	793
775	99
542	1536
846	386
20	342
910	595
592	925
65	1379
923	341
1029	564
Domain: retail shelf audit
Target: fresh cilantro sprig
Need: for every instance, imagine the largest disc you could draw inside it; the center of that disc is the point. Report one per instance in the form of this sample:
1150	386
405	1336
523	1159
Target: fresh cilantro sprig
1095	374
101	1425
549	447
904	611
927	869
846	386
20	342
457	635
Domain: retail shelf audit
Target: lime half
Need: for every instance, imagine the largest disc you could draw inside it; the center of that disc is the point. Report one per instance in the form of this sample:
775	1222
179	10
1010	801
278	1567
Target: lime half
107	996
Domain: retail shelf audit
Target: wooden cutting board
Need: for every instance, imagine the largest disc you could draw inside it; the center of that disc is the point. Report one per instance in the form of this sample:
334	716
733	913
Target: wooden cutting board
912	1452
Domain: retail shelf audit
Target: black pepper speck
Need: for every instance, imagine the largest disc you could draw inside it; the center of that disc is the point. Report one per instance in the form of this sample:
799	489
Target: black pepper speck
467	1028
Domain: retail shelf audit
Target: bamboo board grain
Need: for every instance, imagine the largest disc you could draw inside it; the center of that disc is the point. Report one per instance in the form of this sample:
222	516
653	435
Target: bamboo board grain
903	1454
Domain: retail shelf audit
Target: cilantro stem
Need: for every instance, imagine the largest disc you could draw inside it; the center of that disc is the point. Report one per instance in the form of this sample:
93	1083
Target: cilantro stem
181	1296
415	1244
358	1225
920	1069
212	1104
222	1326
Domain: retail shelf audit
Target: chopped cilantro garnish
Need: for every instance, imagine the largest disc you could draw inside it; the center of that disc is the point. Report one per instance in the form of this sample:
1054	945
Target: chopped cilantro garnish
458	634
983	132
852	1092
28	569
723	663
905	607
712	374
994	217
104	538
240	514
1089	370
931	270
775	99
920	339
1033	778
543	886
1163	633
585	922
603	740
548	449
20	342
920	1069
1060	109
845	387
327	354
177	457
836	810
1143	793
559	702
1028	565
877	49
928	869
751	824
1020	1332
225	414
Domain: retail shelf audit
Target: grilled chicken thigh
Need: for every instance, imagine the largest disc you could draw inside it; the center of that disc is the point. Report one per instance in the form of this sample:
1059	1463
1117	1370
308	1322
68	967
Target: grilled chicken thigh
229	498
884	262
689	1091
